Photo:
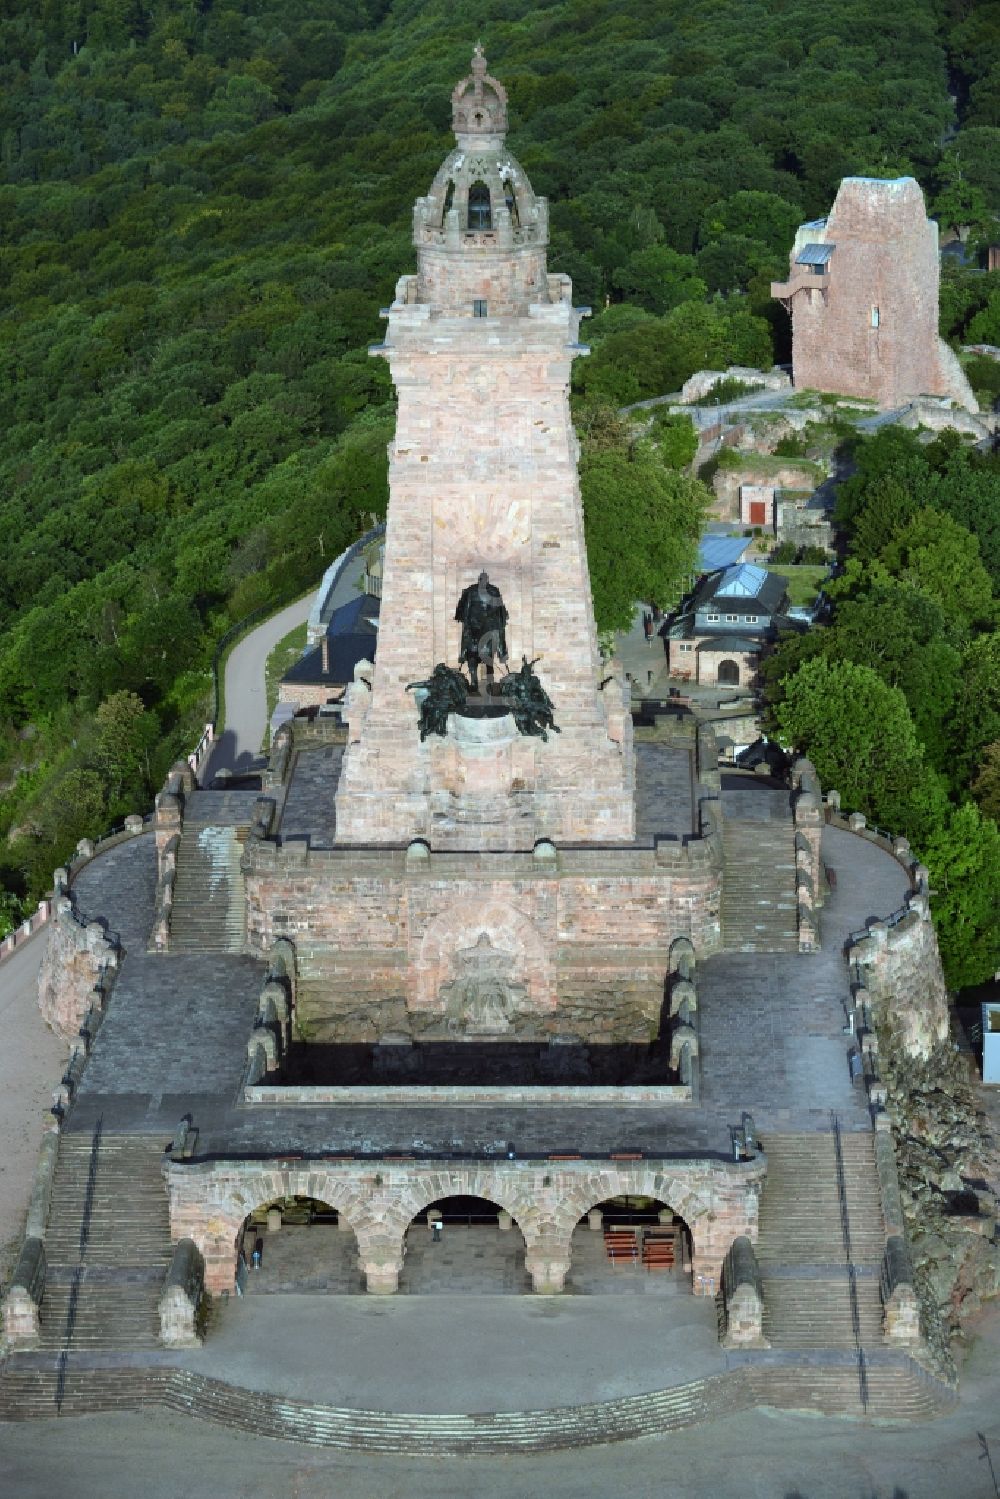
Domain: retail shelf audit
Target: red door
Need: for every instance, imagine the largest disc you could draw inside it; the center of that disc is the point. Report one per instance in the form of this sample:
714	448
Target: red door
758	513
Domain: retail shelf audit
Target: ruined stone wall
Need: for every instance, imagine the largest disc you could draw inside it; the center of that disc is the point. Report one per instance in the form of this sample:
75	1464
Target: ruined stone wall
904	979
78	960
546	1199
868	327
584	935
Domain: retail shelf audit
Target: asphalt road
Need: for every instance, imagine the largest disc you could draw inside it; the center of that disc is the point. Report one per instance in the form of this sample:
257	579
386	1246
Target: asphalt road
31	1063
238	747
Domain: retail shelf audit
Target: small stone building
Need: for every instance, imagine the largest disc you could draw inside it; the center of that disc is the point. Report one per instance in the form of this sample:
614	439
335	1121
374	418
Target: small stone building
862	291
722	630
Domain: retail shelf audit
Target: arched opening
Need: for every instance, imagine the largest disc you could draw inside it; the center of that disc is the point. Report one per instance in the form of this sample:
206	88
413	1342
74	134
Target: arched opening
449	202
630	1244
297	1245
510	199
464	1244
728	674
480	207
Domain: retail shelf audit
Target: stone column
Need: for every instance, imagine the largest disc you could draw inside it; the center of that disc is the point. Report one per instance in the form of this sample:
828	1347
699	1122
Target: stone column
547	1262
381	1258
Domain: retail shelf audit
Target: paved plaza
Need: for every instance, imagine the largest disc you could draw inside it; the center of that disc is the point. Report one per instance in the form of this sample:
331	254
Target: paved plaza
461	1352
469	1260
751	1455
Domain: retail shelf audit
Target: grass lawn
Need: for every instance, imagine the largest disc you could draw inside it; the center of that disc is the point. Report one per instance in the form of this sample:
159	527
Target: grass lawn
804	580
284	655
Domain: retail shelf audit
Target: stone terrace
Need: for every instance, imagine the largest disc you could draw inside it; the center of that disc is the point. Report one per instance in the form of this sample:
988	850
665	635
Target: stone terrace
663	794
771	1042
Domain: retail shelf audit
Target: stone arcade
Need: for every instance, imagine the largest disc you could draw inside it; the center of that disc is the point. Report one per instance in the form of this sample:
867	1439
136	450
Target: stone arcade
546	973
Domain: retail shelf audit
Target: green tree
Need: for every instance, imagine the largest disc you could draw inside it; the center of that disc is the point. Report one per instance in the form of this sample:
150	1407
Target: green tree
859	734
963	859
124	735
942	558
675	439
986	786
642	527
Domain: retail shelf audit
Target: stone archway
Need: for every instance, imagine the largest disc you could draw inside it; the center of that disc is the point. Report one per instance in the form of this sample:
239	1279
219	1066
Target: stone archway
300	1245
481	963
631	1243
467	1245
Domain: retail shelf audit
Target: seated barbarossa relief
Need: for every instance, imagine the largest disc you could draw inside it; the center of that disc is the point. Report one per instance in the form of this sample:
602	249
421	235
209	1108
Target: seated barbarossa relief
483	616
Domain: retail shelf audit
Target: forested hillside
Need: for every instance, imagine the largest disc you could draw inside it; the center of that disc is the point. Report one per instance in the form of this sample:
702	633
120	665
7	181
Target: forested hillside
206	201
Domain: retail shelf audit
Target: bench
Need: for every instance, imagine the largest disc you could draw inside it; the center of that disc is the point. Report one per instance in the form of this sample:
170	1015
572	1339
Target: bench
621	1244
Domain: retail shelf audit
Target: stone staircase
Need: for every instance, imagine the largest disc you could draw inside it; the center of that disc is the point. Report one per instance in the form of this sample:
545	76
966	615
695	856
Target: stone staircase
759	909
209	910
107	1244
898	1389
801	1250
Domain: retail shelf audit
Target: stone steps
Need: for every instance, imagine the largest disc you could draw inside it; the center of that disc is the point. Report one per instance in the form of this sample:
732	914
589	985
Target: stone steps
898	1391
813	1313
800	1219
113	1315
209	906
107	1243
759	911
800	1233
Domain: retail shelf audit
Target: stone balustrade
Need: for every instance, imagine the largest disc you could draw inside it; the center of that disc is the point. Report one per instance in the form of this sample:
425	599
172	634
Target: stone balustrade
742	1298
900	1304
182	1293
24	1296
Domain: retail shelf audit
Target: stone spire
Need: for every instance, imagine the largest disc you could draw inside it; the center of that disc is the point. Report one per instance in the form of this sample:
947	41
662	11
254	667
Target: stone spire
479	107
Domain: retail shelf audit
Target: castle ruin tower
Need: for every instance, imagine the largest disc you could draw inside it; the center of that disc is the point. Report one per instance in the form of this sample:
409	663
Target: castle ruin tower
483	479
862	291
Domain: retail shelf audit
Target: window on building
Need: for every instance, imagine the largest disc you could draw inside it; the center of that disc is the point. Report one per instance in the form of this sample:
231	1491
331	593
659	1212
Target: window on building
511	201
687	647
749	619
480	211
731	619
712	619
449	201
875	317
478	309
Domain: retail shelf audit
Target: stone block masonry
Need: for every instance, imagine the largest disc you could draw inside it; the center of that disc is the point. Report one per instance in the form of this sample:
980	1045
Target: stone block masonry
584	938
210	1200
865	320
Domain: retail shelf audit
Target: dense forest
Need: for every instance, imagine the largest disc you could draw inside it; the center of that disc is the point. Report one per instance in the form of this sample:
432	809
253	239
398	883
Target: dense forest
205	203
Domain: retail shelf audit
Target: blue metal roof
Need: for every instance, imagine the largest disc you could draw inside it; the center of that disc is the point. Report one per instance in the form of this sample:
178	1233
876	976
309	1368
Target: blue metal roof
720	551
745	581
814	254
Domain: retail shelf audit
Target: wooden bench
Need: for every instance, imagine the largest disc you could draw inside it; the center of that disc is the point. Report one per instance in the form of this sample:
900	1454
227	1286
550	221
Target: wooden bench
621	1245
658	1249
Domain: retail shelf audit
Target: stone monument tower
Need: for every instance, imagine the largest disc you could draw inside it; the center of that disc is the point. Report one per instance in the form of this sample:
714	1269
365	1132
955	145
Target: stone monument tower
862	291
483	480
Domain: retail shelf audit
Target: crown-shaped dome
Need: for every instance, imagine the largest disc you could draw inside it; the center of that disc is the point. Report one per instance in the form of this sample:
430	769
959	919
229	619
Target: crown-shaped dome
478	105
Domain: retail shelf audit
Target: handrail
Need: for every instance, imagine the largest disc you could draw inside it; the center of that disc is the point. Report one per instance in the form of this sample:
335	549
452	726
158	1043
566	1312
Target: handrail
852	1277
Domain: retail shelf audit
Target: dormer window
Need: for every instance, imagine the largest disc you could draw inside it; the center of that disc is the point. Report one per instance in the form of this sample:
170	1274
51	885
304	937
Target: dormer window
480	209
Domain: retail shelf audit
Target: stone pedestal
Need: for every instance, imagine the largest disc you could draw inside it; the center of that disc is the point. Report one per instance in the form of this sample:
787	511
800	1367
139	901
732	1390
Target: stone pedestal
595	1220
273	1220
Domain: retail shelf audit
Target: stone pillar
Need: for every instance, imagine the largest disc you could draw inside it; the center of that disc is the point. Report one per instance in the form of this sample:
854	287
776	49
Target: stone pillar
505	1223
595	1220
380	1253
273	1220
548	1266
